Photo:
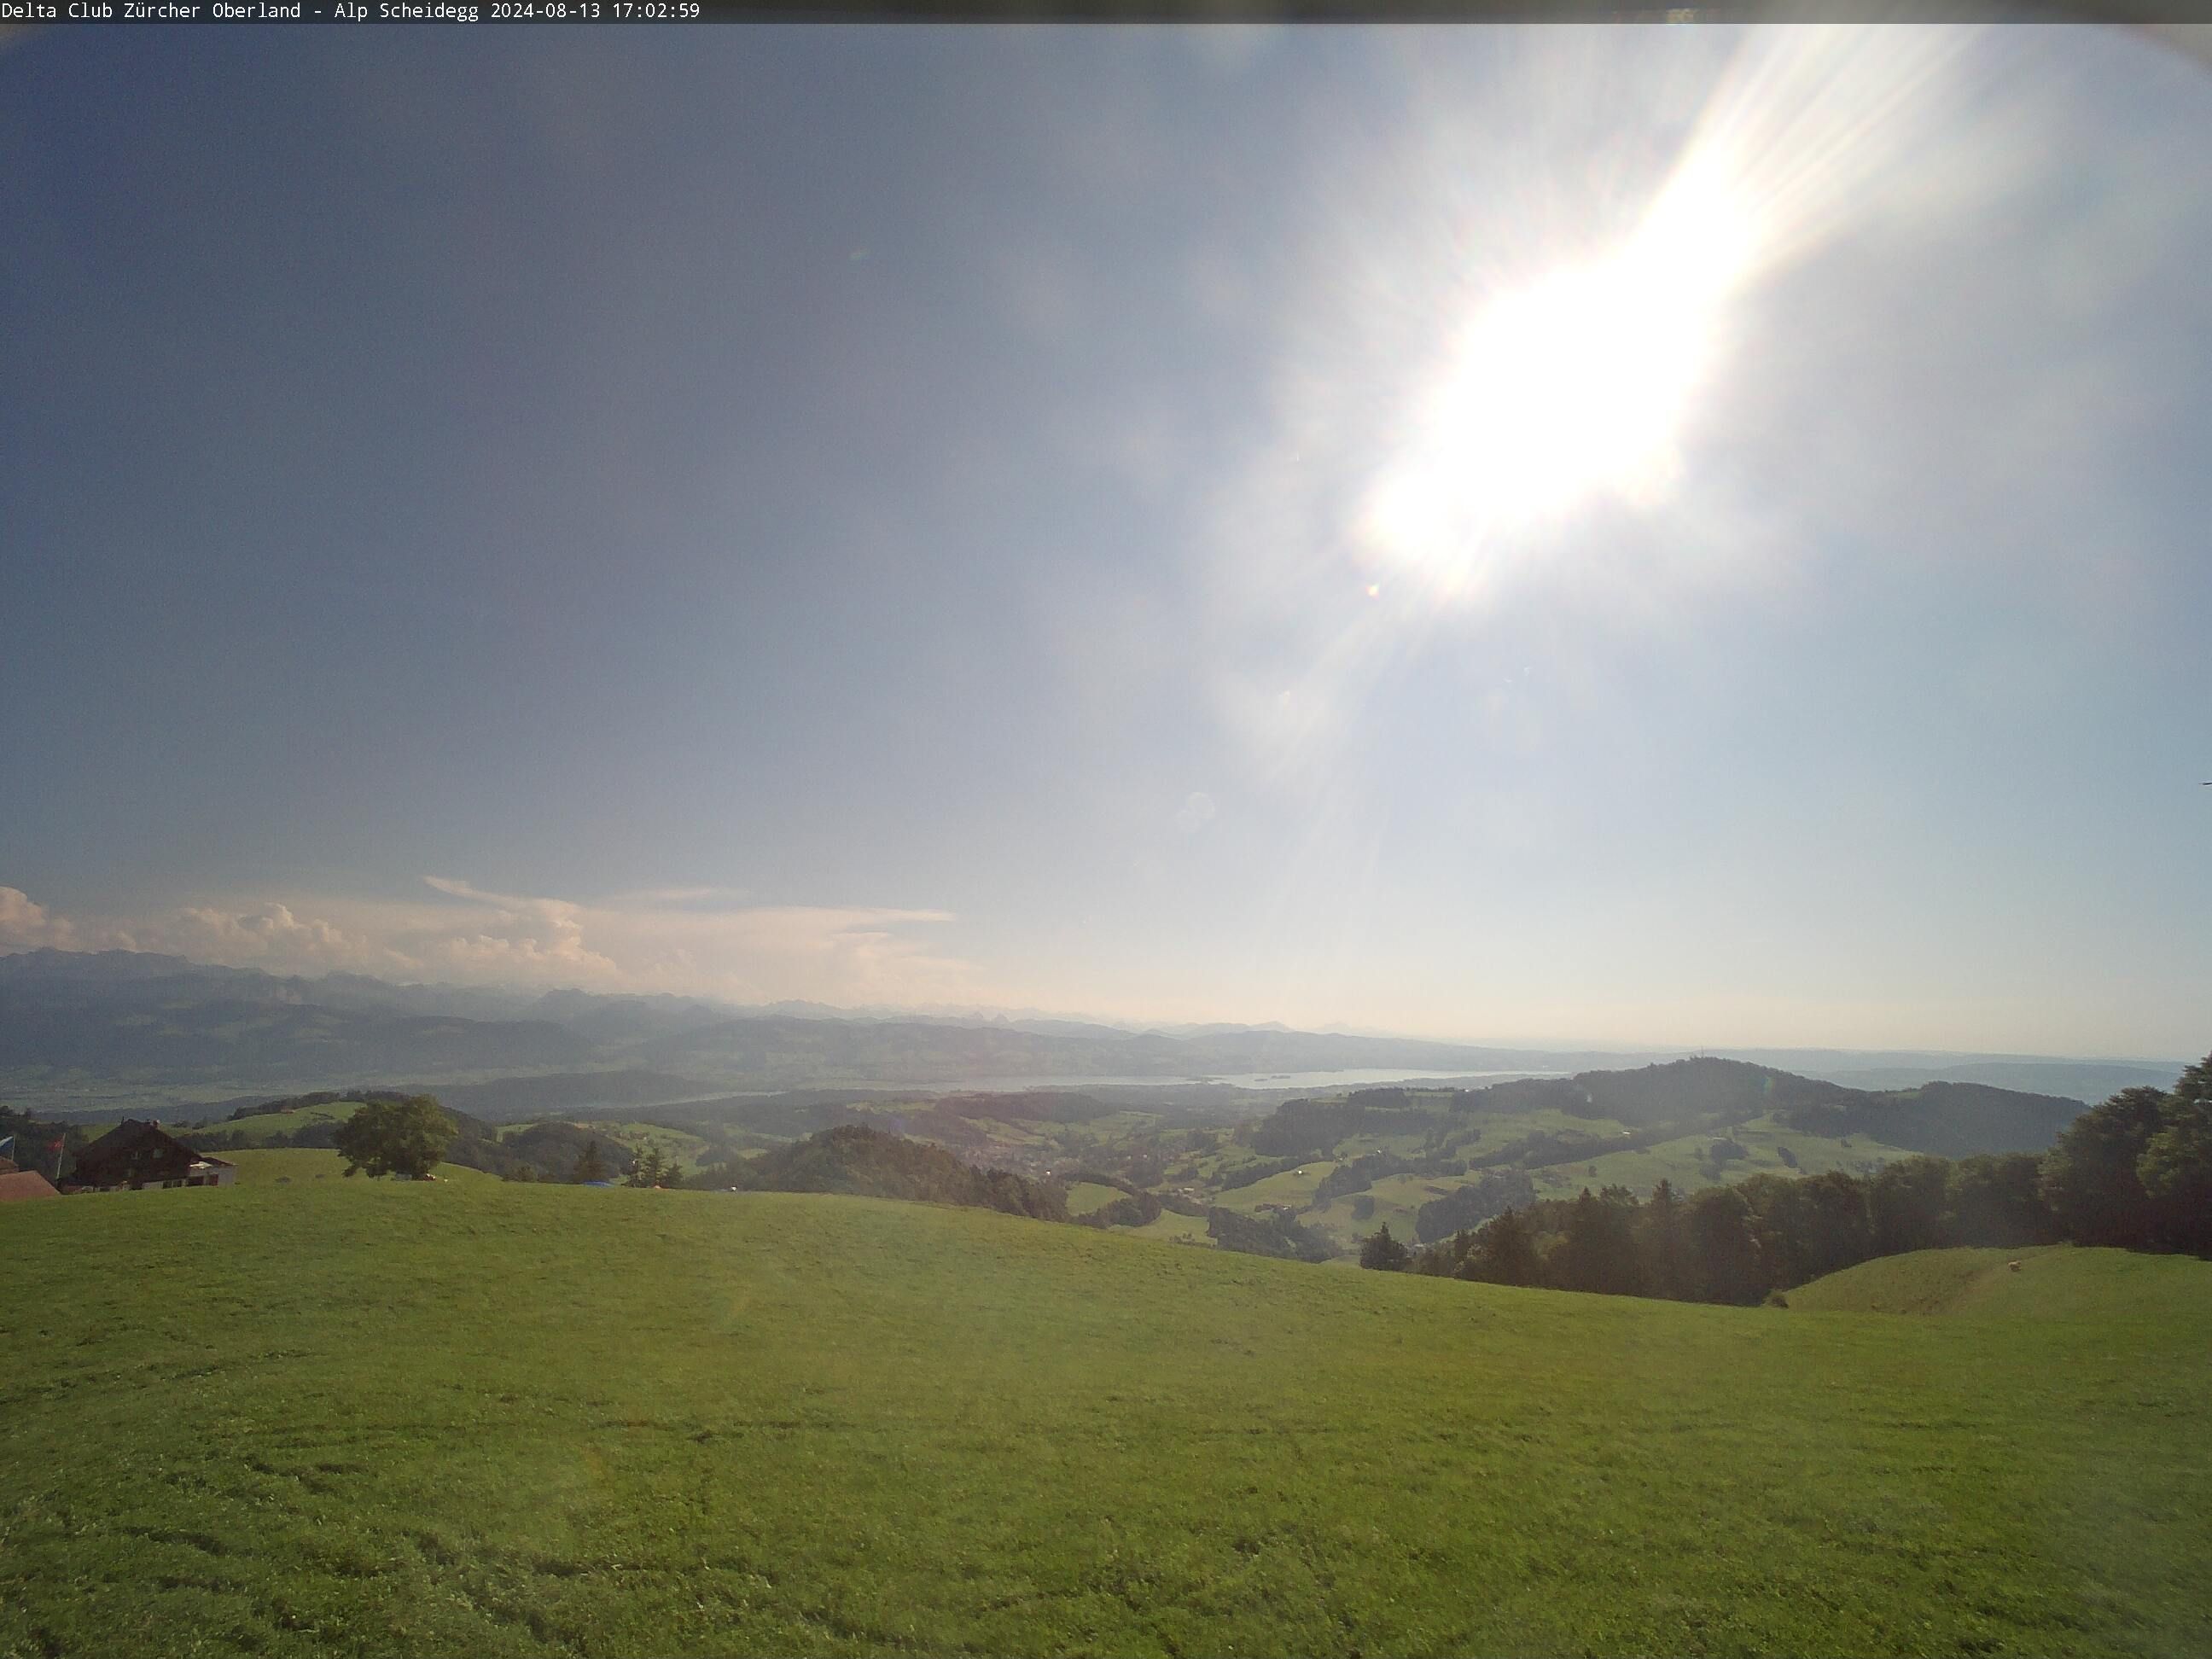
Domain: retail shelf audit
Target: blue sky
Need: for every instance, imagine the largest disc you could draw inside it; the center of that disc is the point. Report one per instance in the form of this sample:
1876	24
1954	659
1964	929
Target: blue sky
1656	536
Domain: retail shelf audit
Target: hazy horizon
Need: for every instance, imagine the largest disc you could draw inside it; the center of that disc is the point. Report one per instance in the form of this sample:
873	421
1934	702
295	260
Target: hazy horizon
525	993
1623	538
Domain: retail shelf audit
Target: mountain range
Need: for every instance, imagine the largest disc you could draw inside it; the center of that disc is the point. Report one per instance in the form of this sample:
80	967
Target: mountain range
149	1021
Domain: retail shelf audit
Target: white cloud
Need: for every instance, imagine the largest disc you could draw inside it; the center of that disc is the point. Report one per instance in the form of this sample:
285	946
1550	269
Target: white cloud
693	941
273	933
462	890
27	926
682	896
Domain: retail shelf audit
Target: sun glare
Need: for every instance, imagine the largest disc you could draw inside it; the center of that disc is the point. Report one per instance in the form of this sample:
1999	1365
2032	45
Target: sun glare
1571	388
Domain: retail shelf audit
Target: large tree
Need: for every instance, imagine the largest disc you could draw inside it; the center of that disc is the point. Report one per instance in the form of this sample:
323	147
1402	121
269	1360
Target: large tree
1997	1200
2176	1172
1907	1202
2195	1085
590	1166
1808	1225
1384	1253
1723	1247
1663	1244
396	1137
1837	1231
1504	1253
1598	1252
2091	1178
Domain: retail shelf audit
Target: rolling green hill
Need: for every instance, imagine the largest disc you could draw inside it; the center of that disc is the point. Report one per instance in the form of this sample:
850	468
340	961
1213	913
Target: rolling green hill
1686	1160
269	1166
367	1417
2114	1288
1426	1160
1694	1123
262	1128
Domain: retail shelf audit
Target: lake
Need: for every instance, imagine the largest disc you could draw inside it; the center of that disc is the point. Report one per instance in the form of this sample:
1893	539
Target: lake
1356	1078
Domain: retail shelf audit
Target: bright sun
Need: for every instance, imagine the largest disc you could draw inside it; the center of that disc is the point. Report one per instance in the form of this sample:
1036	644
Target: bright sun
1569	389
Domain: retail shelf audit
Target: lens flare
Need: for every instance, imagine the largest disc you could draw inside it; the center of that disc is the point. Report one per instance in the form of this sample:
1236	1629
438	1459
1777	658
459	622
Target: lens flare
1569	389
1541	401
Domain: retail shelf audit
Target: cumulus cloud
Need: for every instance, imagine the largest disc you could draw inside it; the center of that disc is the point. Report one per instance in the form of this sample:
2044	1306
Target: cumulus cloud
273	933
690	941
504	936
27	926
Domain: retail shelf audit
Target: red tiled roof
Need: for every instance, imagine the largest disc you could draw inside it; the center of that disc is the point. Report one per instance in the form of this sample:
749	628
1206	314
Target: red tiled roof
25	1183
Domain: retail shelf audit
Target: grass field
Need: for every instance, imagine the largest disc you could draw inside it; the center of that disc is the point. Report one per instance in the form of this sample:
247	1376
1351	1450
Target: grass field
2056	1281
1168	1224
271	1166
1682	1161
1397	1200
367	1417
1085	1196
1493	1133
1293	1188
635	1136
268	1125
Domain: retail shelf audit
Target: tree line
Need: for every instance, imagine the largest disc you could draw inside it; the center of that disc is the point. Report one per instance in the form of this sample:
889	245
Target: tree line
392	1133
41	1144
870	1163
2133	1172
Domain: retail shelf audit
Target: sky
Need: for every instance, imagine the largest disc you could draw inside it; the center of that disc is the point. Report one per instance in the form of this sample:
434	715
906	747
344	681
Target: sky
1656	536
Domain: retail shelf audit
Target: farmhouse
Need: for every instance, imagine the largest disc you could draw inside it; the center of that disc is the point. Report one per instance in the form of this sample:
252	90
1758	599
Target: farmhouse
135	1154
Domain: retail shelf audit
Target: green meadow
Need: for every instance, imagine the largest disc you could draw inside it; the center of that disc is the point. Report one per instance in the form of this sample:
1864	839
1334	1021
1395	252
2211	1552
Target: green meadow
265	1127
1395	1201
2113	1289
1168	1224
1085	1196
1293	1188
633	1136
355	1417
1684	1161
274	1166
